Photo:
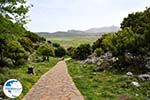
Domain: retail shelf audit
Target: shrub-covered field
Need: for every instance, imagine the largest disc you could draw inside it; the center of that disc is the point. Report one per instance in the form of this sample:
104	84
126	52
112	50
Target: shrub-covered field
96	85
73	41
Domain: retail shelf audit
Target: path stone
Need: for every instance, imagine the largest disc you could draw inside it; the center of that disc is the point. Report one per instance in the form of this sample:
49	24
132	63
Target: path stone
56	84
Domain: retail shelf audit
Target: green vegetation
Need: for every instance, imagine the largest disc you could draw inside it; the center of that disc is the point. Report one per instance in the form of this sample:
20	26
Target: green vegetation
82	52
45	51
131	47
20	49
96	85
14	10
60	52
27	80
98	52
56	45
73	41
70	51
131	44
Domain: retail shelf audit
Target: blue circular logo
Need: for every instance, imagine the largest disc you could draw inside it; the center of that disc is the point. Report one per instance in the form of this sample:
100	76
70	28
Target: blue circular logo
12	88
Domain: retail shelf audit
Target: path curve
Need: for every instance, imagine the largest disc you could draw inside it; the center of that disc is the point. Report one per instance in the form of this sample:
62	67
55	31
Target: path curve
56	84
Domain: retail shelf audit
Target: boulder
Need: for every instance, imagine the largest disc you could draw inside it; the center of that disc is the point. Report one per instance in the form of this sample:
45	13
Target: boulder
144	77
38	59
95	60
129	73
136	84
87	61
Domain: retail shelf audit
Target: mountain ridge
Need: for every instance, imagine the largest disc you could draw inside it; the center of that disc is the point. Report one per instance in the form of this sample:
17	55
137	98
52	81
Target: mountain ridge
90	32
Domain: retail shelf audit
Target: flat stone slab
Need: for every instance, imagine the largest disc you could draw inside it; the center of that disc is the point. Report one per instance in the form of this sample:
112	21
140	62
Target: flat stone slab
56	84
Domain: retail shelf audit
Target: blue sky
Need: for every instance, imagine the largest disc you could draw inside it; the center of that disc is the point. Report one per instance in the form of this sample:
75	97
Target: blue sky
63	15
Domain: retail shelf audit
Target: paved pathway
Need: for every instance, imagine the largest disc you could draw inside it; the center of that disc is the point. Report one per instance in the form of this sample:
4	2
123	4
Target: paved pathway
56	84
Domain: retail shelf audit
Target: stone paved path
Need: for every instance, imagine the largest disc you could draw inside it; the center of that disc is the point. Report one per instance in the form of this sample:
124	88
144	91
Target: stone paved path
56	84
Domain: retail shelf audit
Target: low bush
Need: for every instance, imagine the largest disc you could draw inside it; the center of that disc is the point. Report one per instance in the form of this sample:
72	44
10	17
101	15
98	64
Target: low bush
26	43
34	37
82	52
70	51
12	53
98	52
45	51
60	52
56	45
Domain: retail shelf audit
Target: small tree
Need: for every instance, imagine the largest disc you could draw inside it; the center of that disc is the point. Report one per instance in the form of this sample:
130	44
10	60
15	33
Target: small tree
82	52
34	37
56	45
14	10
60	52
12	53
49	42
45	51
26	43
98	52
70	51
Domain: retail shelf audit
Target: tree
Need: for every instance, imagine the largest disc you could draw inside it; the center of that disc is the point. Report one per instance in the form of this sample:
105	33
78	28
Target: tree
14	10
34	37
49	42
82	52
98	52
45	51
56	45
27	44
60	52
139	22
70	51
16	53
12	53
97	44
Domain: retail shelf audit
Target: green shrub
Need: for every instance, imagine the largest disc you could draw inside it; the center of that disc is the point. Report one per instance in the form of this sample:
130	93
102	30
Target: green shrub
70	51
56	45
16	53
82	52
26	43
139	22
45	51
98	52
8	28
34	37
60	52
49	42
12	53
131	44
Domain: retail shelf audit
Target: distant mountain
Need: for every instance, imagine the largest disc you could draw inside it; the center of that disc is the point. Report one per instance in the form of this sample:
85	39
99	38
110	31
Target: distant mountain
103	29
73	33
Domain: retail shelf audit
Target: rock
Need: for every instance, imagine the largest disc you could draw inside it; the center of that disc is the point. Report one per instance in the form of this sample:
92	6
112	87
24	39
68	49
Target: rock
99	63
94	73
38	60
136	95
107	55
95	60
114	59
129	73
136	84
87	61
31	70
144	77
